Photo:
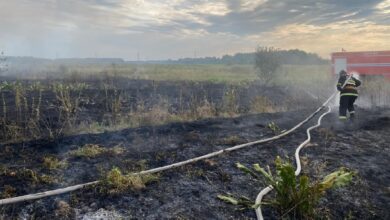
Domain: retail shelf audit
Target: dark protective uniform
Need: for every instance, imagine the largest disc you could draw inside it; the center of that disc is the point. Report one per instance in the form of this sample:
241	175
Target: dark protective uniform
348	95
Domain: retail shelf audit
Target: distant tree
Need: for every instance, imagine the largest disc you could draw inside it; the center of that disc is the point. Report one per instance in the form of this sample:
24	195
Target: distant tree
266	63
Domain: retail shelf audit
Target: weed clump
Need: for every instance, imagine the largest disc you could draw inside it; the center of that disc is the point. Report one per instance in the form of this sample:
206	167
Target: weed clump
93	151
294	197
28	175
205	110
261	104
8	192
53	163
114	182
64	210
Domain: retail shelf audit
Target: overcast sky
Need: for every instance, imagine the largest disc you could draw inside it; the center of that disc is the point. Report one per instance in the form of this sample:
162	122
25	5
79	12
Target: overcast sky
162	29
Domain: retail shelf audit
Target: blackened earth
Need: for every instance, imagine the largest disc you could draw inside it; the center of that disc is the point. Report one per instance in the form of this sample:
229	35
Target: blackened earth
190	192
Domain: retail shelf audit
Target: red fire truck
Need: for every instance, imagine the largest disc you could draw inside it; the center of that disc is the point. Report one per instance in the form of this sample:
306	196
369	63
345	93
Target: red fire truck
362	63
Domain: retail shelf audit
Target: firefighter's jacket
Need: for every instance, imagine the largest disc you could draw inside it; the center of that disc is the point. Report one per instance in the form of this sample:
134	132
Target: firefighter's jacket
350	87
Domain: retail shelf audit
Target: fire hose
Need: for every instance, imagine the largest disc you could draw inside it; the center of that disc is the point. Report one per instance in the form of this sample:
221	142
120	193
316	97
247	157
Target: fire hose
167	167
269	188
298	161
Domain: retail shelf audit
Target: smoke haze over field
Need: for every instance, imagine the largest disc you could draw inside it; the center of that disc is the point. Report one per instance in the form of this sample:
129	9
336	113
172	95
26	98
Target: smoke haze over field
151	29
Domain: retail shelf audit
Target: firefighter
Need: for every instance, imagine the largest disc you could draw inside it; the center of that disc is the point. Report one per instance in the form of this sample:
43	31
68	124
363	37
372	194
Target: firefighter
348	94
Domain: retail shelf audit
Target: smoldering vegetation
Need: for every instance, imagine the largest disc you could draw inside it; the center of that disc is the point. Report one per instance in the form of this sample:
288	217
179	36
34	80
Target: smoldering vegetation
67	124
70	102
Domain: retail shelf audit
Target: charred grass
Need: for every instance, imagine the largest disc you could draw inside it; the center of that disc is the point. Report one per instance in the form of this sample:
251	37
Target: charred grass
79	129
87	99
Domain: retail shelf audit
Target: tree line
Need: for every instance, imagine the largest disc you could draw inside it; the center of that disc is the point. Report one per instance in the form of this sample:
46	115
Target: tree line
289	57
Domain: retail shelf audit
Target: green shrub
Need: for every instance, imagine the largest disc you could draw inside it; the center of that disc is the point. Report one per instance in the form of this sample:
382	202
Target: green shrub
295	197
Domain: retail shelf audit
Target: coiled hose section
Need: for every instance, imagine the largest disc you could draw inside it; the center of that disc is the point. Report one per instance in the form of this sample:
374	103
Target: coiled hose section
269	188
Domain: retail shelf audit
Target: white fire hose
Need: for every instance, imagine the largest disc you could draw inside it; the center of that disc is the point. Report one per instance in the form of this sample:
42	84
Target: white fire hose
269	188
298	161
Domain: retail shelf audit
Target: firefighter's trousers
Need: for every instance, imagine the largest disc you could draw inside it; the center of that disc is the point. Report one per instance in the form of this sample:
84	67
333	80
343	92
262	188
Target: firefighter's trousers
346	103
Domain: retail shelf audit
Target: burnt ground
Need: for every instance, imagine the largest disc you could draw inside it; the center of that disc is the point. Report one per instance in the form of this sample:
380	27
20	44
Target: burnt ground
190	192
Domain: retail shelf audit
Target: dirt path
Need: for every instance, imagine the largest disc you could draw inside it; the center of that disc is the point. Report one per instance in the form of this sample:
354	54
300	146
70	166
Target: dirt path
190	192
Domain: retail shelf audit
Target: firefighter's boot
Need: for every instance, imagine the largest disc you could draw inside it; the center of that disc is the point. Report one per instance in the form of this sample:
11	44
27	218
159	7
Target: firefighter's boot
352	116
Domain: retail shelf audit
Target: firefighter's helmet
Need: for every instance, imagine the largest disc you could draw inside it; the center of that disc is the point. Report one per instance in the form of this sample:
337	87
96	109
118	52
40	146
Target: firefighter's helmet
343	73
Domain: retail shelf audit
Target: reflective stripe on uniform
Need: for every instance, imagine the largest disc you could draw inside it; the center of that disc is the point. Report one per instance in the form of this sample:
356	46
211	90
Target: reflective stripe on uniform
343	117
351	81
352	112
349	94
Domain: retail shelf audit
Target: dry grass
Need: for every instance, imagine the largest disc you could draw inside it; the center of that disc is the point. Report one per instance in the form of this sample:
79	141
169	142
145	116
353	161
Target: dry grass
8	192
64	210
28	176
326	133
114	182
163	72
261	104
93	150
205	110
53	163
232	140
117	117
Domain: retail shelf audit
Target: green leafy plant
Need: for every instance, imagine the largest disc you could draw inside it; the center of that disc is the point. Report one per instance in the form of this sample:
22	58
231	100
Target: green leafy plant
294	196
242	202
274	127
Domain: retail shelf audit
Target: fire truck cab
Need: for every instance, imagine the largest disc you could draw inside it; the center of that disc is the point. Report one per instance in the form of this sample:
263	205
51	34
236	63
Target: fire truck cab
363	63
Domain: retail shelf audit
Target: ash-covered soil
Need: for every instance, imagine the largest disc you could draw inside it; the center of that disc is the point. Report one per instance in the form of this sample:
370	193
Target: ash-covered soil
190	192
